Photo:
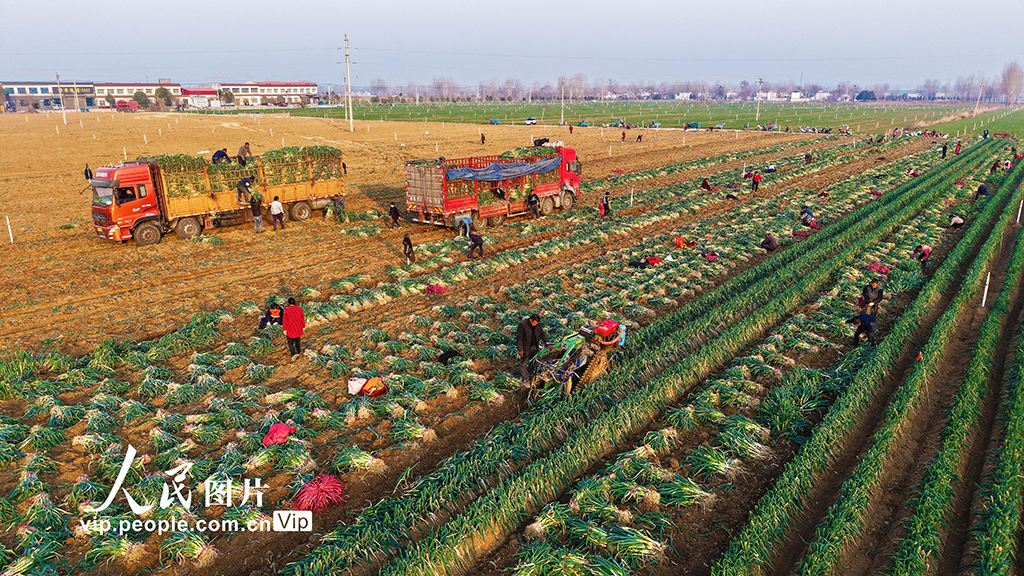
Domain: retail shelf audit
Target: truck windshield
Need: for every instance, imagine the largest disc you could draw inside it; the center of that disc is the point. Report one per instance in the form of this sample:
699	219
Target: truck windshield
102	196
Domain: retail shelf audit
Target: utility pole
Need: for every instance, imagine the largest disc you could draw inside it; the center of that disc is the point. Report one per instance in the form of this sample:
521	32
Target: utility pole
757	114
976	104
77	107
563	101
62	109
348	90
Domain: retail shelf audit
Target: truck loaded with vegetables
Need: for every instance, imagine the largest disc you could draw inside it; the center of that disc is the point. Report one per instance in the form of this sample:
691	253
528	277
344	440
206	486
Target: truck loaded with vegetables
152	196
487	189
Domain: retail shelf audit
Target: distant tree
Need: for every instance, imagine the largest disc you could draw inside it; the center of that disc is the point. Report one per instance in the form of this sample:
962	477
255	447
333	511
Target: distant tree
226	96
164	95
931	88
1013	82
379	87
866	95
304	100
111	101
141	98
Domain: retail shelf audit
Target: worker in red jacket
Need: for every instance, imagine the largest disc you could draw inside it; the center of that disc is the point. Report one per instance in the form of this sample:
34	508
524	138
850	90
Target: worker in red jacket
294	322
757	182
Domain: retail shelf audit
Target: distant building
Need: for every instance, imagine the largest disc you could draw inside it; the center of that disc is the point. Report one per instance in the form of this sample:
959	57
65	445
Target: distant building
125	91
821	96
796	97
201	97
684	96
48	95
257	93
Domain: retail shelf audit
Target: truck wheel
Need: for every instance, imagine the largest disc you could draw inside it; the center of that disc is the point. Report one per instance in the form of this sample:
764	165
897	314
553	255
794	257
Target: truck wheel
479	223
496	220
301	211
189	228
147	234
547	206
568	199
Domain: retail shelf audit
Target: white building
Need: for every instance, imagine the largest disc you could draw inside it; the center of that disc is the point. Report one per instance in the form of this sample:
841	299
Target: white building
125	91
257	93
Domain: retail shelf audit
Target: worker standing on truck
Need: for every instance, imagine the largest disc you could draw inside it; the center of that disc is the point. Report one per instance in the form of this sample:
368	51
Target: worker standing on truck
294	322
529	338
475	243
243	153
257	213
395	216
865	324
244	189
277	213
221	156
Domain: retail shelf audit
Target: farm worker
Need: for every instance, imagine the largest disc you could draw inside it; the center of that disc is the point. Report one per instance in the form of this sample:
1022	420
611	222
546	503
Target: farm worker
808	158
757	182
475	243
277	213
243	153
257	213
221	156
956	151
731	197
408	250
529	338
770	242
982	191
986	133
995	166
273	316
639	138
806	216
705	184
1007	165
293	321
871	297
344	169
865	324
88	173
944	148
771	168
395	216
339	207
533	203
465	226
570	128
956	221
606	202
482	139
623	136
244	189
922	253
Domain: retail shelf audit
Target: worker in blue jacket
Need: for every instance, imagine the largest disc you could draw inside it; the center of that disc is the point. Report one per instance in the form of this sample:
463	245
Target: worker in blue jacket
865	324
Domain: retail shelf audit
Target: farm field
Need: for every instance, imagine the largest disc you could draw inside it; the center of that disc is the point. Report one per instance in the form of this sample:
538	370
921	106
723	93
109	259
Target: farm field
862	118
737	432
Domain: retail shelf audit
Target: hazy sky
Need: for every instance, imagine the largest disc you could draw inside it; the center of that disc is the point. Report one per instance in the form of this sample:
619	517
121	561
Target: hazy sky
899	42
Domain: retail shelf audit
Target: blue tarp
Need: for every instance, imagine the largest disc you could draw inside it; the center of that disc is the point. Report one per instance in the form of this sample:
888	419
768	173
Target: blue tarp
498	171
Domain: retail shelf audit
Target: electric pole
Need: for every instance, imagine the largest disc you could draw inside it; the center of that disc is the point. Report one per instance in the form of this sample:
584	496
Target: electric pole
980	90
757	114
563	101
348	90
77	107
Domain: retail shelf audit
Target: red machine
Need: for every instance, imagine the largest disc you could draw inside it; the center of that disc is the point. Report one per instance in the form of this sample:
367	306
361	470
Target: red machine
488	189
127	106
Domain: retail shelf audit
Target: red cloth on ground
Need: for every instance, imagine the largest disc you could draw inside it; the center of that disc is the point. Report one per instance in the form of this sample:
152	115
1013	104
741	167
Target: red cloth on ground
654	260
436	289
800	234
278	434
879	268
710	256
814	225
294	321
876	193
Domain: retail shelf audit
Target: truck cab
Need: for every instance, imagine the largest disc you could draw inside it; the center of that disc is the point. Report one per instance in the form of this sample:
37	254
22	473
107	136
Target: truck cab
123	198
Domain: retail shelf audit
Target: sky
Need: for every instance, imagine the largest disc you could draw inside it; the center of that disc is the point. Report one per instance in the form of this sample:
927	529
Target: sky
899	42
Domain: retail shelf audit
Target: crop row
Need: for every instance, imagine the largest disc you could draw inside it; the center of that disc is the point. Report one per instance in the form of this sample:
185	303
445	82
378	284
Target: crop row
774	515
619	500
564	418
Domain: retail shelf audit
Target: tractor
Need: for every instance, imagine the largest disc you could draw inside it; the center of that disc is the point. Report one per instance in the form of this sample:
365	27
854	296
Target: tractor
579	359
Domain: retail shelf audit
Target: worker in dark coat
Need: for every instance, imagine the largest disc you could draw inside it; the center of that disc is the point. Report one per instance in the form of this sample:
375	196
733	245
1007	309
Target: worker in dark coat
475	243
221	156
865	324
244	189
770	242
871	297
88	173
395	216
408	250
529	339
274	315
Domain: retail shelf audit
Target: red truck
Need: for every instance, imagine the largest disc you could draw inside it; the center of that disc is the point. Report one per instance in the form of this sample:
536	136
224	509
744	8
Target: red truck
143	201
488	189
127	106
